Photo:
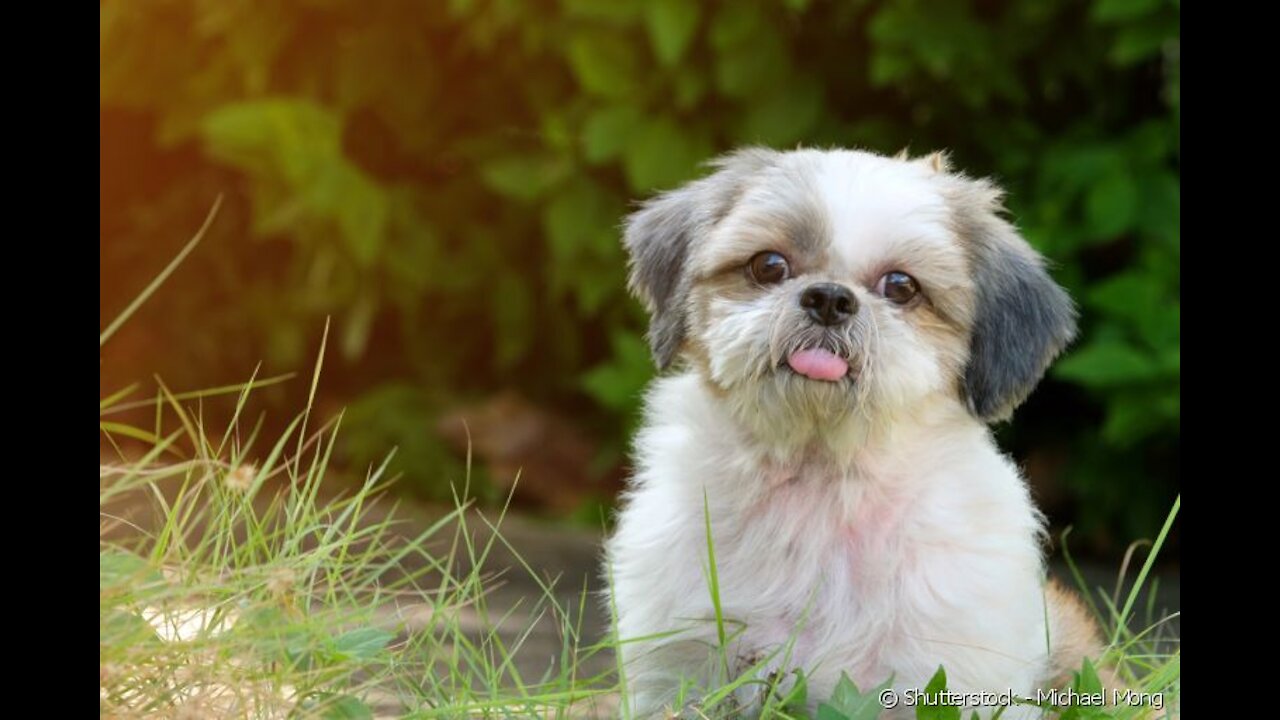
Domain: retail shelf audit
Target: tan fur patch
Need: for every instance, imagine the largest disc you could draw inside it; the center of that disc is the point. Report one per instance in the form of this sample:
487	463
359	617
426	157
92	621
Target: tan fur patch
1073	636
950	339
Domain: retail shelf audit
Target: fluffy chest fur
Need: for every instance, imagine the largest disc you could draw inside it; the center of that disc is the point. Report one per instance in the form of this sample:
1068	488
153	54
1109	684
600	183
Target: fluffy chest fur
923	552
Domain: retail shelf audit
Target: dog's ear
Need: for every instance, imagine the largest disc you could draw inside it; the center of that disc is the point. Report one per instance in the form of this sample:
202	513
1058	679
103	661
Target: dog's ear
658	238
1022	318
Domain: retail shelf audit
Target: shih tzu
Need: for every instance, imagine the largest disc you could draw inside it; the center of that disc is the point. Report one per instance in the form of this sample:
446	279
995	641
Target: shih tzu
842	327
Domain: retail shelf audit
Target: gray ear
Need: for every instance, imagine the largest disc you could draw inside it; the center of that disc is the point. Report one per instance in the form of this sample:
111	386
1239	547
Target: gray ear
658	238
1022	319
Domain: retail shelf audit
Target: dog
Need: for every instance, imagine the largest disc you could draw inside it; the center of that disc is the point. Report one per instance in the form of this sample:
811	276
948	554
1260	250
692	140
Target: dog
840	329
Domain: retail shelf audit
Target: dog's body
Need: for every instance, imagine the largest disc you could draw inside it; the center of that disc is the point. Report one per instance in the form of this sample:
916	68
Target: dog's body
850	324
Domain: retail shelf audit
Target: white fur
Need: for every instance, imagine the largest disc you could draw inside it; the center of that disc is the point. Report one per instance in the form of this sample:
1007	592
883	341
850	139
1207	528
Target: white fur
925	553
876	531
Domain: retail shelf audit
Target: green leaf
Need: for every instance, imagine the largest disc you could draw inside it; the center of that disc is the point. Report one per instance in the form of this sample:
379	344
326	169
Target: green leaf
605	64
737	24
1135	295
293	148
750	54
1076	167
581	227
747	69
796	700
1087	680
786	116
1112	205
671	24
1159	211
524	177
284	137
936	686
1152	143
1136	416
1141	41
573	218
363	644
618	383
276	639
662	156
608	130
362	210
1107	363
889	67
849	703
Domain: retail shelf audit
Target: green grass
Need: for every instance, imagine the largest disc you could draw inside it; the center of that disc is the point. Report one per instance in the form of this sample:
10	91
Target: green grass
237	582
236	588
239	589
233	587
238	579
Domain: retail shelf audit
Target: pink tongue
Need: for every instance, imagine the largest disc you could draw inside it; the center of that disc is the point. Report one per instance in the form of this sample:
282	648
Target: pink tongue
818	364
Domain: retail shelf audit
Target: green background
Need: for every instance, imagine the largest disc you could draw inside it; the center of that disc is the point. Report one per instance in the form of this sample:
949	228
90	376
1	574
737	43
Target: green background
446	181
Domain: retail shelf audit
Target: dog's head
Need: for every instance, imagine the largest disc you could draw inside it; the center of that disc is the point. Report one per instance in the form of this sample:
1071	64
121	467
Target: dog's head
815	288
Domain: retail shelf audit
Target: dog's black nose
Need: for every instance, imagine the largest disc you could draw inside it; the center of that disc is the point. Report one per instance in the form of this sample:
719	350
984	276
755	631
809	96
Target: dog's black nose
829	303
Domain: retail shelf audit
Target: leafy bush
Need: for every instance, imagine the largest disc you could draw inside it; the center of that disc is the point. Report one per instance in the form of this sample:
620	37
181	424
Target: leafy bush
446	180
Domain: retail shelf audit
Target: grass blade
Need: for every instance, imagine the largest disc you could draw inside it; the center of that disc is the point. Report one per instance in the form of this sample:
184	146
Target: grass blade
1146	568
159	279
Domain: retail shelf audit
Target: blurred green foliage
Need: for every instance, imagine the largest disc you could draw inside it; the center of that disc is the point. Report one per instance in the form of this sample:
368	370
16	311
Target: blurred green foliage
446	179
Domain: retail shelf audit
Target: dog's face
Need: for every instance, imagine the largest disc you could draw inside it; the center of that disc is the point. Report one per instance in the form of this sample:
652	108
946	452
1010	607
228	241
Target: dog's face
819	290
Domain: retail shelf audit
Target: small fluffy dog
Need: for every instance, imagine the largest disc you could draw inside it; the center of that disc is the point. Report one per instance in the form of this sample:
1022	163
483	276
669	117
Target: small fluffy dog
844	326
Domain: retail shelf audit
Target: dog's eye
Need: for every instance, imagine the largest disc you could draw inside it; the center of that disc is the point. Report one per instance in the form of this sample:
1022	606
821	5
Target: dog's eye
898	287
769	268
